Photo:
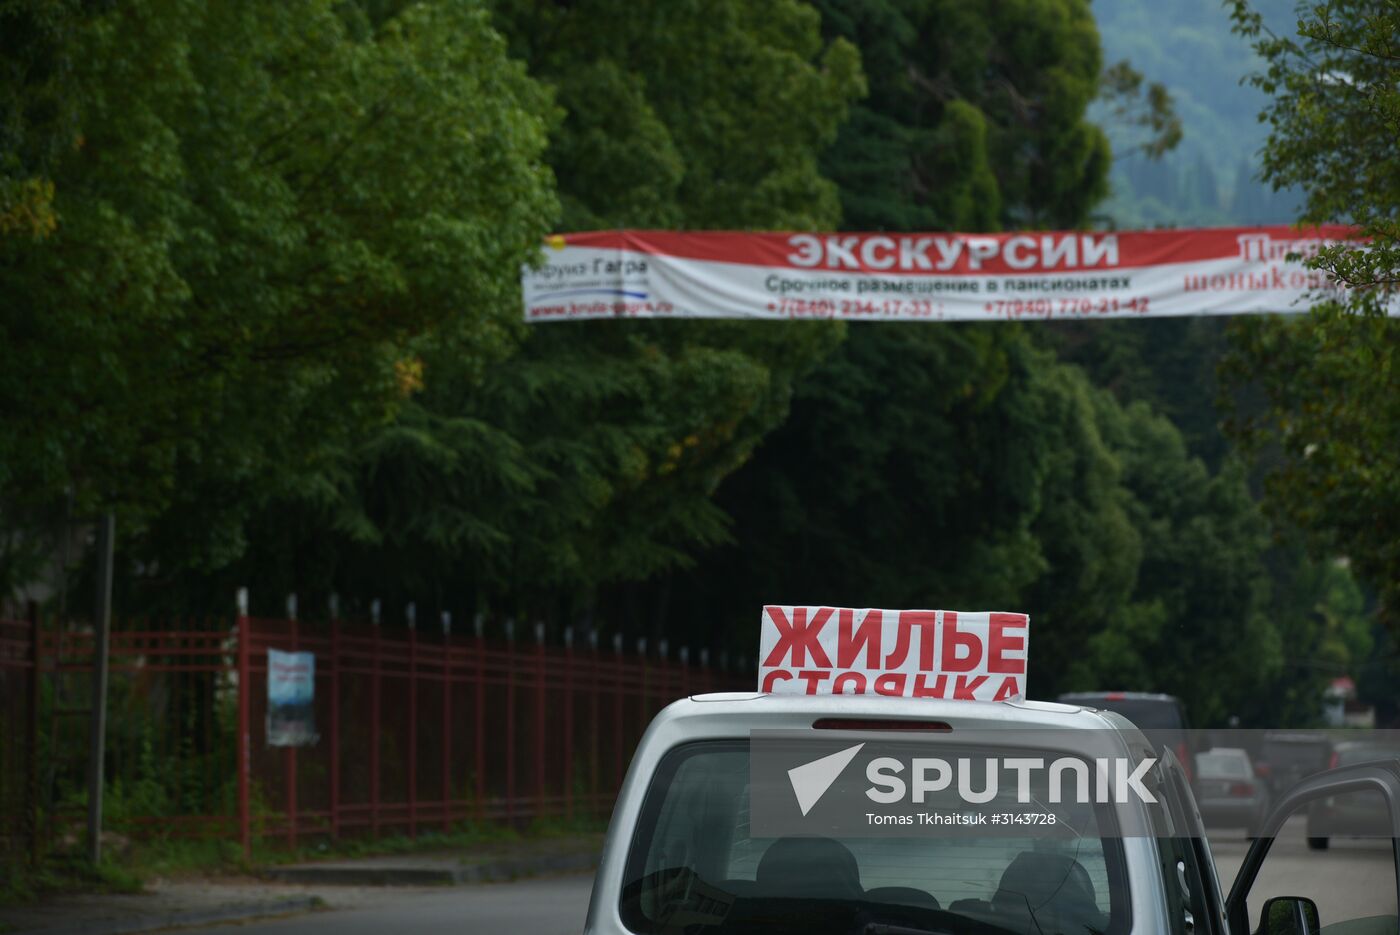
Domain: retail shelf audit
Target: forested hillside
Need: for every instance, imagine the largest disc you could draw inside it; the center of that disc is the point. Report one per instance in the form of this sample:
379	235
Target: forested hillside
1212	177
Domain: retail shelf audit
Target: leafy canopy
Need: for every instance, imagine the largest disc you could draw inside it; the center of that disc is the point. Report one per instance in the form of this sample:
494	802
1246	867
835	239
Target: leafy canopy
266	202
975	117
1331	381
962	466
589	456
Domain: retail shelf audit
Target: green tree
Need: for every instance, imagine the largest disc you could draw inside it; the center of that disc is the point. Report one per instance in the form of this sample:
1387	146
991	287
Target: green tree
927	468
970	470
1331	381
682	113
1167	363
1144	108
270	200
975	117
961	466
888	485
589	455
559	472
1203	629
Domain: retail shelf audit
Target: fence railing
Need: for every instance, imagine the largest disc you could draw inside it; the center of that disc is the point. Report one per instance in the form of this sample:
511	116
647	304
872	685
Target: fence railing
418	730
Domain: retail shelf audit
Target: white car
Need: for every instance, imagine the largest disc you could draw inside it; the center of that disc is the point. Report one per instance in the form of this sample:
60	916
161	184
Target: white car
681	857
1228	791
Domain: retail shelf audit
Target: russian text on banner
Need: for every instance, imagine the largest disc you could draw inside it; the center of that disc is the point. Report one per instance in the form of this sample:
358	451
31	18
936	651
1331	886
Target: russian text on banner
908	653
930	277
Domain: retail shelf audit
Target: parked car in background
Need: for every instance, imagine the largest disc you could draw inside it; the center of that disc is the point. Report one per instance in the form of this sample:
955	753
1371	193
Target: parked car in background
1228	792
1286	759
1358	814
1161	717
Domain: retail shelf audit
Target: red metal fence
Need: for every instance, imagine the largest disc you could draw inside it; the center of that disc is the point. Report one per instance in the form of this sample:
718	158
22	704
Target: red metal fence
418	730
466	729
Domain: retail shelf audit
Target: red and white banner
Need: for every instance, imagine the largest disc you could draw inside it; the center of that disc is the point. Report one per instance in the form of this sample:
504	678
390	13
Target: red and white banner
908	653
929	277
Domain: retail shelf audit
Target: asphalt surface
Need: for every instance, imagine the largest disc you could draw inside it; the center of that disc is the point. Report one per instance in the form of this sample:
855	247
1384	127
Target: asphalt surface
543	906
1352	879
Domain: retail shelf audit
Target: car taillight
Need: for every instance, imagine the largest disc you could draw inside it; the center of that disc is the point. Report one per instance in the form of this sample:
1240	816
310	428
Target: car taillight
1241	789
1334	760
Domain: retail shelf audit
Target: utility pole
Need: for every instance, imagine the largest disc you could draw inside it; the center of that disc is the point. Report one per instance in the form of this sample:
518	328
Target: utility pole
102	625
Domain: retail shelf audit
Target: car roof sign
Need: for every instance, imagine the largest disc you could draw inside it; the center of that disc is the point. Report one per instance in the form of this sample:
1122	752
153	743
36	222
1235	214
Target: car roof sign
947	654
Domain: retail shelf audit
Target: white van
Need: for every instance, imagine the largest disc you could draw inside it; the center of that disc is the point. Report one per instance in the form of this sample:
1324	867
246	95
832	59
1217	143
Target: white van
680	858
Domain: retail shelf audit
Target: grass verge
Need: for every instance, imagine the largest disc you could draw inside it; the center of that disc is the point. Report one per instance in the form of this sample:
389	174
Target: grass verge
128	866
67	874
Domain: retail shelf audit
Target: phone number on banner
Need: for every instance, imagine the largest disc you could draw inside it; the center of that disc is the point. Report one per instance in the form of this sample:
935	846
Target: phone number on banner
857	308
1065	307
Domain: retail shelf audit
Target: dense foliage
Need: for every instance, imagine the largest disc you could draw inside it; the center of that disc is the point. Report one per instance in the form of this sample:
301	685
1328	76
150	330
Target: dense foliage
590	456
975	117
263	203
970	469
962	466
260	276
1331	382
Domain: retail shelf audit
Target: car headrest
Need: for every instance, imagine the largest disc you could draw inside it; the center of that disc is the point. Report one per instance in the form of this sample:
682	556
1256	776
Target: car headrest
1042	881
809	867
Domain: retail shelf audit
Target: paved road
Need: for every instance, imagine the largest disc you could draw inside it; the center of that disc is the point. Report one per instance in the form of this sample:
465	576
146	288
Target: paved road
1351	879
549	906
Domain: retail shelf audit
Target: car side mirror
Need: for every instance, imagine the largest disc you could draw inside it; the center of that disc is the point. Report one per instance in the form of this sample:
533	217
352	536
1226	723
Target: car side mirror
1289	915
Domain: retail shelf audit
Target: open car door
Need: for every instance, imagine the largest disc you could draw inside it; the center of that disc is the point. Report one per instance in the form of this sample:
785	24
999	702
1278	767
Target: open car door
1285	913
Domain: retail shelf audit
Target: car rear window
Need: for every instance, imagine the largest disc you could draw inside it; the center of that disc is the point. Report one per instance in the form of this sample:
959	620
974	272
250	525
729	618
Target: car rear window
1212	765
1350	756
1307	753
695	868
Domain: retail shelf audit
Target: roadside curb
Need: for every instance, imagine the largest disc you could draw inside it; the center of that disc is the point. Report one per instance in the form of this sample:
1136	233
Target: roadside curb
158	921
497	871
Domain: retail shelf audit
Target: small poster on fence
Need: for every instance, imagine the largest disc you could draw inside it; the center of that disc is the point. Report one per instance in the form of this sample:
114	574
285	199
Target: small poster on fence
291	695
